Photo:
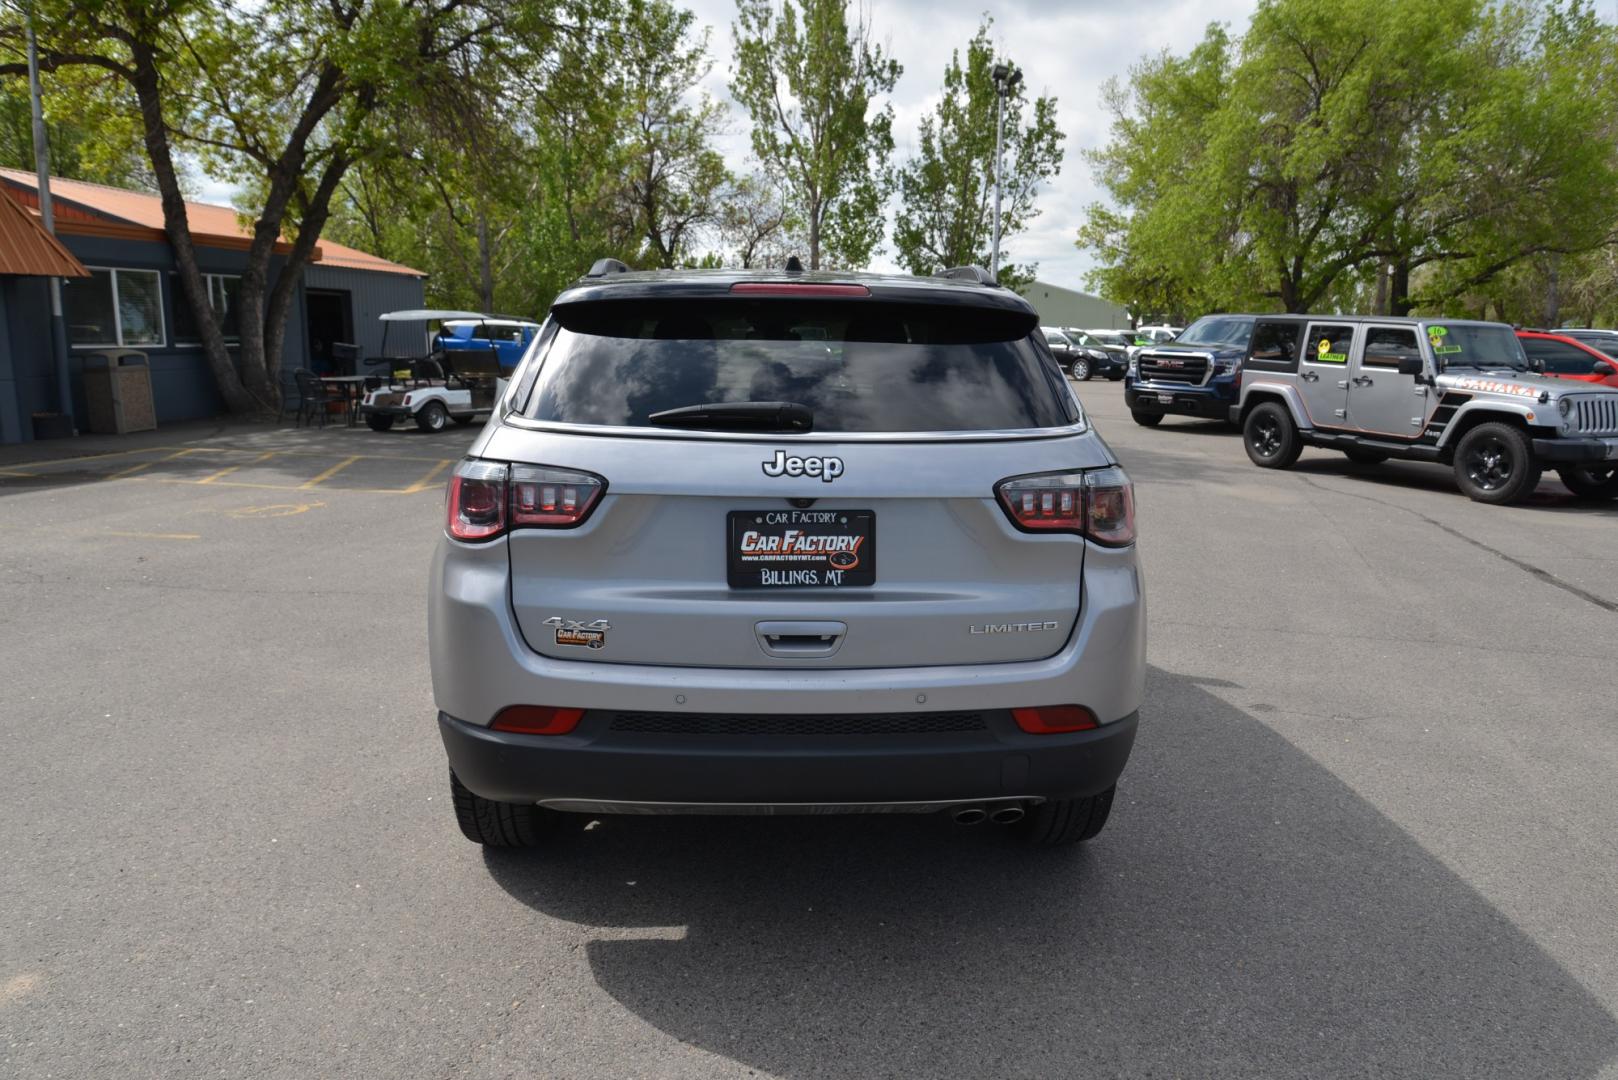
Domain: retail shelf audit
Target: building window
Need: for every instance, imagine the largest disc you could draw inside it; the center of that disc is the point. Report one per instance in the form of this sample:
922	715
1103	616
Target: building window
115	307
224	290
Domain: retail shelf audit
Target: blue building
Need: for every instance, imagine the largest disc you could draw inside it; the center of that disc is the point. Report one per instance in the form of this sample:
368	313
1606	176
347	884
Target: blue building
132	299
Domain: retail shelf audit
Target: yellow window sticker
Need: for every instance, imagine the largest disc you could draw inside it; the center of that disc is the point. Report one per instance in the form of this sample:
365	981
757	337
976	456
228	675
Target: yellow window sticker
1324	355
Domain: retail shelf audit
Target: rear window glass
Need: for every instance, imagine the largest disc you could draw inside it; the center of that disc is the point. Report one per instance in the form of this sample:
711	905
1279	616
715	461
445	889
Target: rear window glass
859	366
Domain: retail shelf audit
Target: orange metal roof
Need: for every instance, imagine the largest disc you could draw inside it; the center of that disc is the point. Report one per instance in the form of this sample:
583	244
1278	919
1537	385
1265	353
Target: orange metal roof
216	226
26	248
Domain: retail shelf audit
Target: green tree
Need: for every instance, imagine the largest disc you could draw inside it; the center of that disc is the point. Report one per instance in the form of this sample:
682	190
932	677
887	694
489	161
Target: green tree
946	192
89	125
808	80
756	224
1443	141
674	176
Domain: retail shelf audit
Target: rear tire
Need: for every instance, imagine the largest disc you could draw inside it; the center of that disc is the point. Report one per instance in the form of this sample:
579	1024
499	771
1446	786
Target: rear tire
1146	419
1591	481
1270	436
1060	822
379	423
1366	457
1081	369
432	417
1494	463
497	824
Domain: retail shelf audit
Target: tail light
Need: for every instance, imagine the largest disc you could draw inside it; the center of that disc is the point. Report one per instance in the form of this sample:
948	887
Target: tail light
486	498
537	720
1099	504
1055	719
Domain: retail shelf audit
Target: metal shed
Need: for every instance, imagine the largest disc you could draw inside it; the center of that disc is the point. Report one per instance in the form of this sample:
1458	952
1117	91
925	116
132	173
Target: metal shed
129	297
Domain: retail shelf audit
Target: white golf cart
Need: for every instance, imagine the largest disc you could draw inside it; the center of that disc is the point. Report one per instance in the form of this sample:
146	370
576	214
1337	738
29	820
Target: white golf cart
458	378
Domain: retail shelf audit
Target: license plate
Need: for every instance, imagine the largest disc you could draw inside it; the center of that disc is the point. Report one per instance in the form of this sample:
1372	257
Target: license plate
814	549
1165	399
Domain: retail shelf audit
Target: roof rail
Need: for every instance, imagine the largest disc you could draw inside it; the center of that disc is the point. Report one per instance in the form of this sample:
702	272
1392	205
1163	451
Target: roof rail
975	274
603	267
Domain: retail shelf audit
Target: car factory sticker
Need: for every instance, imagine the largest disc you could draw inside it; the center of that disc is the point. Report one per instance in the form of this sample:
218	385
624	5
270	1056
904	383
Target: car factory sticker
584	635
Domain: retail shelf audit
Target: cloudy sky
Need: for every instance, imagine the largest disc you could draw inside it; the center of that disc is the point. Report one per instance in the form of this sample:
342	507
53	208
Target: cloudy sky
1066	48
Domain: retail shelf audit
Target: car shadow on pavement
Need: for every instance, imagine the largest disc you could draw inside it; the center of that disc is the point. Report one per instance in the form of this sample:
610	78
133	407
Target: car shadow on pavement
1245	914
1440	480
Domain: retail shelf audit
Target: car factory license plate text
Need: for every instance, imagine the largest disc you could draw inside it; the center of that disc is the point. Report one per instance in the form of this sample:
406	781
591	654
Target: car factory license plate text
801	549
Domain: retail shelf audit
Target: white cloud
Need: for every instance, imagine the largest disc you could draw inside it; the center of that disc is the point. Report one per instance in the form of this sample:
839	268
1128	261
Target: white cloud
1066	49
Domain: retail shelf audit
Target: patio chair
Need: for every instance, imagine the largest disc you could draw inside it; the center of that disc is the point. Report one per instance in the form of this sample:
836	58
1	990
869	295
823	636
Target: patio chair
315	397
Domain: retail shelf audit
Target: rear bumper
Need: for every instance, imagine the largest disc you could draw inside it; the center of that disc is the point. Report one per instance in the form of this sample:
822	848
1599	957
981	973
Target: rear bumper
386	410
606	769
481	664
1575	451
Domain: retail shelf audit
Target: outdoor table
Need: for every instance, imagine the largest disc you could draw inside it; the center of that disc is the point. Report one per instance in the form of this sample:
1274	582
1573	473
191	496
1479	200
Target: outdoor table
352	388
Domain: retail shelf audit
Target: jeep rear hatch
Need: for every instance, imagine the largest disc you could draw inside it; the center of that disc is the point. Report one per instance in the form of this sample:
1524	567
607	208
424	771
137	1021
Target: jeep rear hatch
869	537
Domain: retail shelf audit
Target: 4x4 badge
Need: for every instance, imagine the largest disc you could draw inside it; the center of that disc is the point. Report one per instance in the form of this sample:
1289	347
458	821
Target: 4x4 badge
827	468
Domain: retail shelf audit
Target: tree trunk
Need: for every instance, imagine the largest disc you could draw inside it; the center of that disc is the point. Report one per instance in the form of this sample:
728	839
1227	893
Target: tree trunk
1381	307
814	236
286	283
177	227
260	362
1399	288
1553	293
485	263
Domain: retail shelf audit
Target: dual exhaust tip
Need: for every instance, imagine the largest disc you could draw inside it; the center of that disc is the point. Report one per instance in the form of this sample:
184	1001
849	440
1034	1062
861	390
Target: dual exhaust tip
1000	815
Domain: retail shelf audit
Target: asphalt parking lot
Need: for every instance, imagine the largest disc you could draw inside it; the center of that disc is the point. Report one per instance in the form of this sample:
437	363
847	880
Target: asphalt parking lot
1367	830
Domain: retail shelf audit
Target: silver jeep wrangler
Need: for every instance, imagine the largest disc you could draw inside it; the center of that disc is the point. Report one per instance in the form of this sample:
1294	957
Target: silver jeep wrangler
1451	391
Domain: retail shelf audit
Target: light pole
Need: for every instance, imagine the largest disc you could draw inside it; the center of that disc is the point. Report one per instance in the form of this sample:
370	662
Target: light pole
1006	78
42	169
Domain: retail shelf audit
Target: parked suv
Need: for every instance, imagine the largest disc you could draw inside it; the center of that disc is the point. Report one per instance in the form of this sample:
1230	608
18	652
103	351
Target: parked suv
783	542
1197	374
1451	391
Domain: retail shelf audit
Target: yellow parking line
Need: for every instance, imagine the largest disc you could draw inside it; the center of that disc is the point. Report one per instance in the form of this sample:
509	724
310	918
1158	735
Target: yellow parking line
329	473
133	469
213	477
14	472
432	474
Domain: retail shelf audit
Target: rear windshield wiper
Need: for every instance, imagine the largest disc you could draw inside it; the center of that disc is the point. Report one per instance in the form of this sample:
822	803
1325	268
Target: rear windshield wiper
739	416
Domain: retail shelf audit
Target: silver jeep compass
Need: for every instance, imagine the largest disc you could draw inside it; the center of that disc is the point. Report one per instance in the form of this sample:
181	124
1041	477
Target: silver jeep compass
787	543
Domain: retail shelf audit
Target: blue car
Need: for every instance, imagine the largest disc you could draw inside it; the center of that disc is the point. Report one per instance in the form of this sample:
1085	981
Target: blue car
508	338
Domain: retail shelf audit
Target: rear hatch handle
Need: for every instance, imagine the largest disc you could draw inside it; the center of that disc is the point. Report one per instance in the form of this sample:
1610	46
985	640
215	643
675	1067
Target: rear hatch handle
800	640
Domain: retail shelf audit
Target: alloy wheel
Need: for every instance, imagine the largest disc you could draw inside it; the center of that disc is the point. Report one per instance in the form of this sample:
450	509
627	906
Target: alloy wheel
1489	464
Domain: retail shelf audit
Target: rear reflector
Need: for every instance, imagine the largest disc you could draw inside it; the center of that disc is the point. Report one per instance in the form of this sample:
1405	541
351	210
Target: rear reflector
1055	719
789	288
537	720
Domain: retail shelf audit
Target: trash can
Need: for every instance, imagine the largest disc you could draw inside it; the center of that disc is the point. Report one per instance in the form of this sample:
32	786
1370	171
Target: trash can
118	393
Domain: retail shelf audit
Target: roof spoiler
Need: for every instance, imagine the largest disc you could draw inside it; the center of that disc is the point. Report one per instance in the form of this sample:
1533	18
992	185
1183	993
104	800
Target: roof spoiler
602	267
973	274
